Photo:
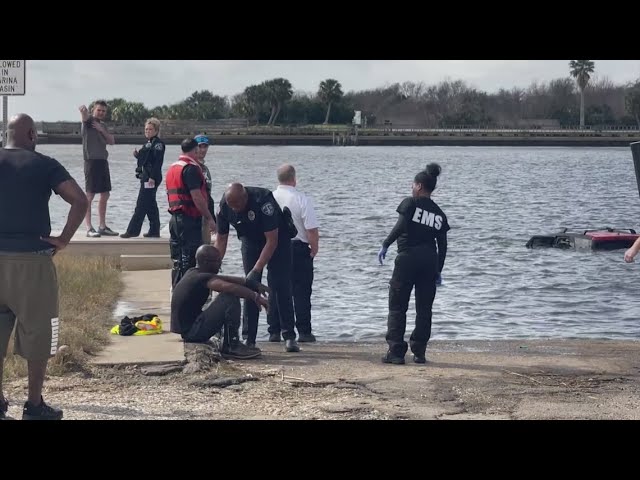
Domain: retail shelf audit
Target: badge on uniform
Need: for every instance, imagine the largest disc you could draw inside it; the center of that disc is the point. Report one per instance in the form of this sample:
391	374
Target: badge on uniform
267	209
251	215
159	146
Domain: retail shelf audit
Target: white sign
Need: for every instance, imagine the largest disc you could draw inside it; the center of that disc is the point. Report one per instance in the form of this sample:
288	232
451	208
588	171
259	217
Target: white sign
12	77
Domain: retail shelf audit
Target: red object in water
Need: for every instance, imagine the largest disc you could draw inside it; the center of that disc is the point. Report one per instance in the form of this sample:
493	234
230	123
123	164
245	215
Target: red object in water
602	239
608	238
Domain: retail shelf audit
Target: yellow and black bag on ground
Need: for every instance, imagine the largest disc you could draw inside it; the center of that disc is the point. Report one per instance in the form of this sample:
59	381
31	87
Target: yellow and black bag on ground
148	324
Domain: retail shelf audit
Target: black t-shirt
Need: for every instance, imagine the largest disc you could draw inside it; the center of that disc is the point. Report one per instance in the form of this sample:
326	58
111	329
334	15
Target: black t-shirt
208	180
191	176
261	215
188	298
424	221
27	179
207	177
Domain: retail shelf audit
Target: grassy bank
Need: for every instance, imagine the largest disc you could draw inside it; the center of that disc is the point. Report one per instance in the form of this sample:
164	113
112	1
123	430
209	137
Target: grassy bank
89	288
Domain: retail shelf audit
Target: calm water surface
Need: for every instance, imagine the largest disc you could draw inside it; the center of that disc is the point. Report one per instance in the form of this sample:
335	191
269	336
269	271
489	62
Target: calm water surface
495	198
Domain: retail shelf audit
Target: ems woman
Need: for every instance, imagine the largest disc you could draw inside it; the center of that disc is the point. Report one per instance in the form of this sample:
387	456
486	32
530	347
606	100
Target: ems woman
421	232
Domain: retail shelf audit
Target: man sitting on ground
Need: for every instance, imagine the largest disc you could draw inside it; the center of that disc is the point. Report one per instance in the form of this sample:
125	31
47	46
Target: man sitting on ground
191	293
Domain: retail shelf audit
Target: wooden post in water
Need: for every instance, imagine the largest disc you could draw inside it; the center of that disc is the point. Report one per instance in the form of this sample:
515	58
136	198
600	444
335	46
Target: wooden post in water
635	151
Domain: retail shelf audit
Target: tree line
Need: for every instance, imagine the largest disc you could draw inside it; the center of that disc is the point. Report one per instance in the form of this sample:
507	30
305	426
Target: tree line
578	99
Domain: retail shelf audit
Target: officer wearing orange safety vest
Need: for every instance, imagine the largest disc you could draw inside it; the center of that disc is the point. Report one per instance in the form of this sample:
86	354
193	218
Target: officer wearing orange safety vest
187	195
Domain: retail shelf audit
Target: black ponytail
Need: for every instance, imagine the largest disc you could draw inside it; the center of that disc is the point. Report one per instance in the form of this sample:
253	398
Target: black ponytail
428	178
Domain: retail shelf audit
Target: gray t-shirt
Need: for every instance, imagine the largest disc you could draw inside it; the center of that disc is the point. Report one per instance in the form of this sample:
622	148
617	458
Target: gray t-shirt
94	146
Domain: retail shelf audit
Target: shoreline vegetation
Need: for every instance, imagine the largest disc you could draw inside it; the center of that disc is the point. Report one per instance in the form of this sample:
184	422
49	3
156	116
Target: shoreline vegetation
345	136
89	288
580	109
581	99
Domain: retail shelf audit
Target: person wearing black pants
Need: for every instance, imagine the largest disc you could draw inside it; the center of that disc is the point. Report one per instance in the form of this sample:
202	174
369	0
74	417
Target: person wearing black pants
185	237
266	242
420	226
279	281
250	252
149	170
304	248
302	281
187	198
223	314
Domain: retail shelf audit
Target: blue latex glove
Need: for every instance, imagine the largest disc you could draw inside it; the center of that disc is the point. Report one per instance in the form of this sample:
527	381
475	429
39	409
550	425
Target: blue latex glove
439	279
382	254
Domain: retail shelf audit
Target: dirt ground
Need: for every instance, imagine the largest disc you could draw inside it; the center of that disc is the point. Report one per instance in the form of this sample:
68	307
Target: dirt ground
541	379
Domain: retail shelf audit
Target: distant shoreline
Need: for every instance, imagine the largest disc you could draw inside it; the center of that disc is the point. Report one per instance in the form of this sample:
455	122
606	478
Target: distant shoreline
455	139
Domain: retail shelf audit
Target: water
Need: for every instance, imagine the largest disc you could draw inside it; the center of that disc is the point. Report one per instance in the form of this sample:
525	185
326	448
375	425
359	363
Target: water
496	198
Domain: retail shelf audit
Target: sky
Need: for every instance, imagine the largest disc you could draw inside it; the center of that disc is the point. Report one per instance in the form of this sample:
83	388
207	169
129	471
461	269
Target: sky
56	88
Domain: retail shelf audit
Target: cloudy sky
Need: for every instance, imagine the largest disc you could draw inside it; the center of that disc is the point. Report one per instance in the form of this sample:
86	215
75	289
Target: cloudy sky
55	88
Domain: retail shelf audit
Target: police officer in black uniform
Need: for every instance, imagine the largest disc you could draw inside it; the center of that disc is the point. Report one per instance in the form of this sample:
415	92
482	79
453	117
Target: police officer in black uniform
421	226
149	171
265	237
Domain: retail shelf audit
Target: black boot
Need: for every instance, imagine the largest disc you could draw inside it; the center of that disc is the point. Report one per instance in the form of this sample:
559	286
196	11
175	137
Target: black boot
391	358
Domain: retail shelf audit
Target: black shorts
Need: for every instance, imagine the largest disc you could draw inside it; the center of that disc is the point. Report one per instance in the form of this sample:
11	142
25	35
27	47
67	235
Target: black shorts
97	178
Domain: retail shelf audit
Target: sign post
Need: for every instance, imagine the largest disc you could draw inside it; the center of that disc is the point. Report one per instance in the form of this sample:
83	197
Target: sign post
12	82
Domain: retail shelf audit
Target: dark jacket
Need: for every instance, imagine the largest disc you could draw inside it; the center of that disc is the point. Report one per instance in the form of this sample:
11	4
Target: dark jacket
150	159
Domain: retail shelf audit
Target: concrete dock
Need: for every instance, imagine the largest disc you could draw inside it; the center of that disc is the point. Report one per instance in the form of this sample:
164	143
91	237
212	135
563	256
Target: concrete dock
137	253
144	292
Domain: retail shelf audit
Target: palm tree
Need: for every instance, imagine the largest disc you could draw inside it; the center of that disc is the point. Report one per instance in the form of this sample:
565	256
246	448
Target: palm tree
581	70
330	91
130	113
279	91
253	100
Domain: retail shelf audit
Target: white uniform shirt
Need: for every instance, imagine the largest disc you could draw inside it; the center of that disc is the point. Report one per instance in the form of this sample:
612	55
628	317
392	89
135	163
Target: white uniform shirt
302	212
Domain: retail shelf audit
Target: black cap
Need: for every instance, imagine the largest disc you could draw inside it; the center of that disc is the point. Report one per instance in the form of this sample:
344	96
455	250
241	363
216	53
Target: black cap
188	145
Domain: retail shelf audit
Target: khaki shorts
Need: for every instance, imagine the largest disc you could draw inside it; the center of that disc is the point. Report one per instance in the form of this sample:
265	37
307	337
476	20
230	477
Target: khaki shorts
29	293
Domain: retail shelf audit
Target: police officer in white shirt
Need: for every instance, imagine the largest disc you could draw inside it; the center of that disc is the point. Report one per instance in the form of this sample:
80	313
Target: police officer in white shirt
304	249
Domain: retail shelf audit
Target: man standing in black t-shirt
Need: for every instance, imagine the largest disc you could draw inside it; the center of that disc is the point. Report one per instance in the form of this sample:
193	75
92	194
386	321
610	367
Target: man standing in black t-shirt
192	292
421	231
266	240
28	280
187	196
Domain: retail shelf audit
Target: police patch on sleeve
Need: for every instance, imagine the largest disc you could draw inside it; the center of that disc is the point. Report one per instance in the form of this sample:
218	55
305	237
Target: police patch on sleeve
159	146
268	209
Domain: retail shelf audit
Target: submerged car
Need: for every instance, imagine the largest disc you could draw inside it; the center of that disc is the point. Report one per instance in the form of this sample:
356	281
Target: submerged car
597	239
